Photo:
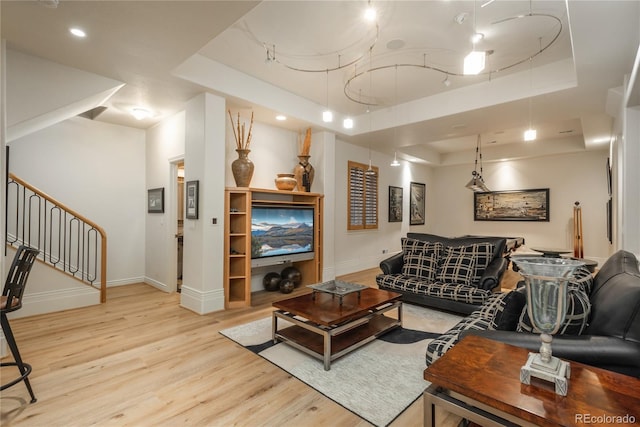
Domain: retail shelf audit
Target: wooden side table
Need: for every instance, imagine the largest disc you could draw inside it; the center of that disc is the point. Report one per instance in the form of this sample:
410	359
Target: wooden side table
479	379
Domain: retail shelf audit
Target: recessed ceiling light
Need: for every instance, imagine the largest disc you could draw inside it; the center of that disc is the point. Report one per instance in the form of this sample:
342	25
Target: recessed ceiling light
348	123
281	118
370	14
77	32
140	113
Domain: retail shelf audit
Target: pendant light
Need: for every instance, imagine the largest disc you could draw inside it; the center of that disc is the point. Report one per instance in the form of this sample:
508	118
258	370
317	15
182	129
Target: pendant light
531	134
477	183
370	171
327	115
474	62
395	162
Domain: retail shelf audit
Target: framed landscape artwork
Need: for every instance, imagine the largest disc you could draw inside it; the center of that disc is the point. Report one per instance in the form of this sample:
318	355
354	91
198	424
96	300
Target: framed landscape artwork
520	205
417	203
395	204
155	200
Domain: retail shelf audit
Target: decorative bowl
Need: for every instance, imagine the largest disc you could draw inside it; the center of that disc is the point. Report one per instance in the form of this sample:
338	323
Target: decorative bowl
286	181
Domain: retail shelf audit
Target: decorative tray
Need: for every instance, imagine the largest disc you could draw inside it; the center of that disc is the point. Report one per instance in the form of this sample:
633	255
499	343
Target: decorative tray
337	287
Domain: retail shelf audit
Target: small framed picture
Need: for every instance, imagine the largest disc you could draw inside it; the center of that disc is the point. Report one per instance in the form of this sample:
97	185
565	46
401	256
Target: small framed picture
155	200
417	203
192	200
395	204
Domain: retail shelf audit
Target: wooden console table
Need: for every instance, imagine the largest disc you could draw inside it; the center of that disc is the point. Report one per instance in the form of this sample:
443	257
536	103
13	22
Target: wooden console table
479	379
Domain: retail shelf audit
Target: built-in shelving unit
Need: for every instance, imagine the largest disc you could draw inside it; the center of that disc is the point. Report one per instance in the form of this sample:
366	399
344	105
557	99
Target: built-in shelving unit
237	231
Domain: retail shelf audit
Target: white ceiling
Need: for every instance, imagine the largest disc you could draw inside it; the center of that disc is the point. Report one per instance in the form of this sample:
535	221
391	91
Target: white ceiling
168	51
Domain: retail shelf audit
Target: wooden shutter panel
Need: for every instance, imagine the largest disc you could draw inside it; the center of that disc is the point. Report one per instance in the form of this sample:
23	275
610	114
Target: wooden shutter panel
363	197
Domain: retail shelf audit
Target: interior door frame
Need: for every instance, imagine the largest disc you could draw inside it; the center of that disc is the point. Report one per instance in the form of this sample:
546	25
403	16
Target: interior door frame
172	205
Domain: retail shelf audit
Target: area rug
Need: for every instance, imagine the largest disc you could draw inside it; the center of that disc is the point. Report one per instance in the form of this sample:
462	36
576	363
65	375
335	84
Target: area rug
377	381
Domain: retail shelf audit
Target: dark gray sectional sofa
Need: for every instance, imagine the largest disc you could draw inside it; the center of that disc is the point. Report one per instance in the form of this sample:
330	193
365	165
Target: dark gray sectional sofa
453	274
602	327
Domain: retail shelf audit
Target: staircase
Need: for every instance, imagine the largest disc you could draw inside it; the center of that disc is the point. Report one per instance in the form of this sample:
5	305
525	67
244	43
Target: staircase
67	241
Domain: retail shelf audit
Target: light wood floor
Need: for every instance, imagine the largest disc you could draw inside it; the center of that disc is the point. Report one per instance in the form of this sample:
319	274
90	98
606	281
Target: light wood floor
142	360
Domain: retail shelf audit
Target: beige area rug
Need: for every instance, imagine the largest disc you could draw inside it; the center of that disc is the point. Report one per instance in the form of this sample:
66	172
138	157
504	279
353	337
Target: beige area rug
376	382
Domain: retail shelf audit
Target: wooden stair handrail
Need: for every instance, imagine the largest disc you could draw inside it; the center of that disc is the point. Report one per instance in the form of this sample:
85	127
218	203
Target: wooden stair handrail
103	234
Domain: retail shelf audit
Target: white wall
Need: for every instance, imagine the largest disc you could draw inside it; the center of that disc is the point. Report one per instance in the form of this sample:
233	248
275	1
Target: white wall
570	178
629	192
362	249
165	141
97	169
203	263
275	150
43	93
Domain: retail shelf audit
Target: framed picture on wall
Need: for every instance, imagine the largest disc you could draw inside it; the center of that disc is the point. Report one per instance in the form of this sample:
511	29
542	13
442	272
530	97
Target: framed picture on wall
608	174
155	200
610	220
395	204
520	205
417	203
192	200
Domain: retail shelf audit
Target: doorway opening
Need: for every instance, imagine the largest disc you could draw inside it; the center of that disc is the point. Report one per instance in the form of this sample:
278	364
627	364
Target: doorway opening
180	225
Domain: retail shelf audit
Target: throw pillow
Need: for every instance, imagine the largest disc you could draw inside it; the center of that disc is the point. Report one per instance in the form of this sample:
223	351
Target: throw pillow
578	306
420	264
481	252
418	246
505	310
456	269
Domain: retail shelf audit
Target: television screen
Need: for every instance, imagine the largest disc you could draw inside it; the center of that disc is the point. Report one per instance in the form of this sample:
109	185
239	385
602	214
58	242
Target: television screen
281	231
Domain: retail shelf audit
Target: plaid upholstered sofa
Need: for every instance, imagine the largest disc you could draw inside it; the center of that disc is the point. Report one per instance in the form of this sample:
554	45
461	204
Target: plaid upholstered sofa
453	274
602	326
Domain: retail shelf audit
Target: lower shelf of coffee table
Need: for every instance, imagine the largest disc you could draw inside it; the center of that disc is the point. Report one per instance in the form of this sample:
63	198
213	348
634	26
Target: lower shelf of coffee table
341	343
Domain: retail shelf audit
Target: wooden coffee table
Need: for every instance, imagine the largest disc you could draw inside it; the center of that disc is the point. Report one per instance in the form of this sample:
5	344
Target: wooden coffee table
328	327
479	379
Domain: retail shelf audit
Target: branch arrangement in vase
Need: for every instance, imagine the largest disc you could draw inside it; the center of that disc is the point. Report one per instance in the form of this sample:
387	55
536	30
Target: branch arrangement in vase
242	143
306	145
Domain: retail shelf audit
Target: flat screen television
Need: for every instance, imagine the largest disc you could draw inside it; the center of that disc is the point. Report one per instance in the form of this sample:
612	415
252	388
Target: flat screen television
281	234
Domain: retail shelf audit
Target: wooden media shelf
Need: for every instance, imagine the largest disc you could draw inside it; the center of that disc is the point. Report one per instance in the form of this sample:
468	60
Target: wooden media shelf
237	238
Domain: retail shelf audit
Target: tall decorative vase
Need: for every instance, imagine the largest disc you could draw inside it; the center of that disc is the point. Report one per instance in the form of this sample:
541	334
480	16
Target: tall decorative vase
304	173
546	284
242	168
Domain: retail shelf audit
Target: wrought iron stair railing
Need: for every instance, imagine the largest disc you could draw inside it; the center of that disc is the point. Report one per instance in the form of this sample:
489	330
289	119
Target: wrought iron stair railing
67	240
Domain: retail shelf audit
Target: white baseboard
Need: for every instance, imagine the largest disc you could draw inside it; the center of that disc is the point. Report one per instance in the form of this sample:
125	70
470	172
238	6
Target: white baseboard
354	265
123	282
57	300
201	302
158	285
